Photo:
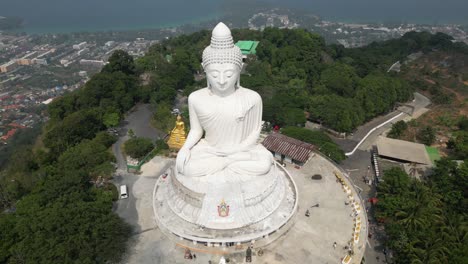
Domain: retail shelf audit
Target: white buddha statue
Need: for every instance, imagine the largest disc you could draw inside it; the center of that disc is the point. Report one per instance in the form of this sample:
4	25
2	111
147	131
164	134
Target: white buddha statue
224	179
228	114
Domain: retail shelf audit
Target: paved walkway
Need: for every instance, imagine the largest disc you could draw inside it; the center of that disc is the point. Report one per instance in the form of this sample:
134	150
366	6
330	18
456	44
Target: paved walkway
310	239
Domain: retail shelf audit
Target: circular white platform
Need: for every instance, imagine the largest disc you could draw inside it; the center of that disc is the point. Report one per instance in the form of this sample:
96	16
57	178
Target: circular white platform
182	223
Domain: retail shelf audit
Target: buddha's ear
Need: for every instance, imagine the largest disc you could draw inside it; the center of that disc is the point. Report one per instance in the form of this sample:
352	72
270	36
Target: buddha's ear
238	79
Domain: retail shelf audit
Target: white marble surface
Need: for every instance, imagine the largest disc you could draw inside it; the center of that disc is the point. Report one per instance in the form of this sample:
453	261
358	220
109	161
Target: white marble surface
242	225
221	159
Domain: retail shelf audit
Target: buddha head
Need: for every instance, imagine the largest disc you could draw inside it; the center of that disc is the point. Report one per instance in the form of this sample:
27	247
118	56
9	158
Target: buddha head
222	61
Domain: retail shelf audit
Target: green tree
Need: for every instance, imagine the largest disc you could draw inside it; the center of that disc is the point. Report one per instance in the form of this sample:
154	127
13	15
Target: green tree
111	119
340	78
459	144
163	119
75	127
291	117
138	147
64	219
341	114
120	61
398	129
427	135
424	220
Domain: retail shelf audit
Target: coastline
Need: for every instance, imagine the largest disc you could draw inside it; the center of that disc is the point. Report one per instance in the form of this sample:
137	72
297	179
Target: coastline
196	21
141	27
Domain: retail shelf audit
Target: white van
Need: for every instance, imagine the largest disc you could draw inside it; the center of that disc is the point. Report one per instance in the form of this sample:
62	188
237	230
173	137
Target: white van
123	192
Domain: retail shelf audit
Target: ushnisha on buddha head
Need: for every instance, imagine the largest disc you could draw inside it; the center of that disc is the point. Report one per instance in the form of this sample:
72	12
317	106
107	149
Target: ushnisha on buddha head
222	62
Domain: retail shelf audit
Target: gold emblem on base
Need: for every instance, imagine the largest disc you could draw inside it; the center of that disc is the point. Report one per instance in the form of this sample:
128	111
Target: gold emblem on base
223	209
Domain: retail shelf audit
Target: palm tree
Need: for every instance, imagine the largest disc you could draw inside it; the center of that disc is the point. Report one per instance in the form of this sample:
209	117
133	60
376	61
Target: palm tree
429	251
423	210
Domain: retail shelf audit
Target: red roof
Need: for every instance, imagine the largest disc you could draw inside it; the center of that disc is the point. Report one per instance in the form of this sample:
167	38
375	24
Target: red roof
16	125
373	200
8	107
9	134
291	147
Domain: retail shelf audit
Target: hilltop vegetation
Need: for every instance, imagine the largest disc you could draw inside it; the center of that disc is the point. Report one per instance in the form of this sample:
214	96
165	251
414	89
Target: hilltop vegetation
295	71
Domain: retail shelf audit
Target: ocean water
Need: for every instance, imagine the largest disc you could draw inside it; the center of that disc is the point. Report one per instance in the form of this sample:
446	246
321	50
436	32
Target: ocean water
378	11
43	16
53	16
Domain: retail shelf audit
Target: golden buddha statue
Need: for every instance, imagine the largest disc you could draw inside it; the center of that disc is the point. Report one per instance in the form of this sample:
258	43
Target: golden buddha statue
177	137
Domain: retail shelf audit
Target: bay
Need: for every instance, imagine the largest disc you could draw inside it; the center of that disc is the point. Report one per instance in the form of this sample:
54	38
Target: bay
382	11
44	16
59	16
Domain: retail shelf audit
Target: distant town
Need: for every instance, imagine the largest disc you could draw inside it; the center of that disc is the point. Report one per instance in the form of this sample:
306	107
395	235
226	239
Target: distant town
35	69
34	74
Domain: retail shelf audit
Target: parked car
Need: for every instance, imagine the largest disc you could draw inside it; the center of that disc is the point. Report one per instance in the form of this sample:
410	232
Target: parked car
123	192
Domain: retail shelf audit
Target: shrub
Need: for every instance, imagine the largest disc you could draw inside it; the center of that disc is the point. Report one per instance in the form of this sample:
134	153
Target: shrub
138	147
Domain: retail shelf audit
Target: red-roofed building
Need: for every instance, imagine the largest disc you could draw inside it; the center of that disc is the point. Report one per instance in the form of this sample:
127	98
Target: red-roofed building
15	125
10	107
9	134
288	149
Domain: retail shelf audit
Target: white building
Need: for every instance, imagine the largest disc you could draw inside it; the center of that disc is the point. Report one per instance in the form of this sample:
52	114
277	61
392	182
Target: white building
39	61
79	46
96	63
109	43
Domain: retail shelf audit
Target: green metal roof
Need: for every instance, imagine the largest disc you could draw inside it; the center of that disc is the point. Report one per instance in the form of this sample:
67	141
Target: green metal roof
247	46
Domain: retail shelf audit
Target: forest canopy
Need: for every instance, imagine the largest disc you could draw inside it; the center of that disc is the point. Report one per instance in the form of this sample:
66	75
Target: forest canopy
298	75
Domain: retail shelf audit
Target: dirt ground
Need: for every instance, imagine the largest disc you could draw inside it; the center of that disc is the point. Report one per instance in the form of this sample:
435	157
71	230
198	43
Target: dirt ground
446	73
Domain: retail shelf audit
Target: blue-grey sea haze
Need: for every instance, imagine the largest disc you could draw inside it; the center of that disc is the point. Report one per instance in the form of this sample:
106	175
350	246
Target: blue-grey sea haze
411	11
97	15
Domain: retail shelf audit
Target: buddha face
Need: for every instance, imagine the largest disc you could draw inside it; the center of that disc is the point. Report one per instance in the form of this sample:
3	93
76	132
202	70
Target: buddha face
222	77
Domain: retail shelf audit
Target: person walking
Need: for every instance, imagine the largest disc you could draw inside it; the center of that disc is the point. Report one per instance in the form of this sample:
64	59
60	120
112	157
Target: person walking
334	245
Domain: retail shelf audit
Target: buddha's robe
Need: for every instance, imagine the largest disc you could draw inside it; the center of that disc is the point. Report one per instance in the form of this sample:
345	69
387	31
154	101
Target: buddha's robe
231	122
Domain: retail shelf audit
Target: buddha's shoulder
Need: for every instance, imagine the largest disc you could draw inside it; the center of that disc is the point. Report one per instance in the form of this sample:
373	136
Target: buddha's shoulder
198	94
250	94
